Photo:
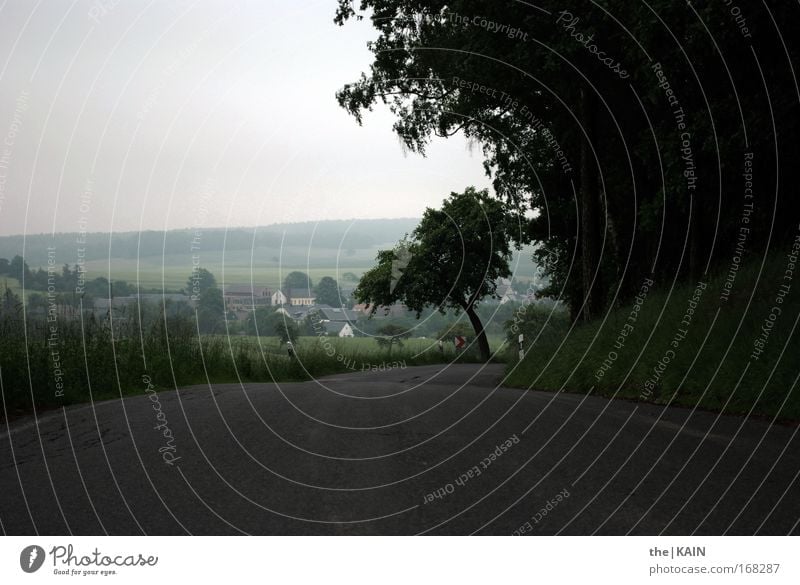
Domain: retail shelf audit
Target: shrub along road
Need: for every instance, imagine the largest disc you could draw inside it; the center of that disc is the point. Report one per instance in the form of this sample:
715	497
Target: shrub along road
427	449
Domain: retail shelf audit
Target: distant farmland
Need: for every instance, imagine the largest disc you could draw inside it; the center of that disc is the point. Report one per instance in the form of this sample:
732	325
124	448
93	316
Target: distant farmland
263	256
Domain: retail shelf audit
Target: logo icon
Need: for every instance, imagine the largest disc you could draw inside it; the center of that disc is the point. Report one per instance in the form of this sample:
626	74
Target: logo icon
31	558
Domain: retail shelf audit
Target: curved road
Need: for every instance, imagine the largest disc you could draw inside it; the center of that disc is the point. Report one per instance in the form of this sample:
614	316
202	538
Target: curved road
431	449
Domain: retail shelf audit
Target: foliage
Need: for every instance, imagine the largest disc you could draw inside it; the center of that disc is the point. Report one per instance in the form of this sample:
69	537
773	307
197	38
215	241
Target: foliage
199	281
328	292
297	279
581	143
467	241
283	327
211	311
391	335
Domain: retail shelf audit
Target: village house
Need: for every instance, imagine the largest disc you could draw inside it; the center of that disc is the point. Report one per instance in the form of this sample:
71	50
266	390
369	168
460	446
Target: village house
245	297
327	314
279	299
300	297
338	329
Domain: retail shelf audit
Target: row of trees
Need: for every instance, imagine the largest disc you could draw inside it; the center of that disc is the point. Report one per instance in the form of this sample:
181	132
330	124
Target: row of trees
628	171
65	280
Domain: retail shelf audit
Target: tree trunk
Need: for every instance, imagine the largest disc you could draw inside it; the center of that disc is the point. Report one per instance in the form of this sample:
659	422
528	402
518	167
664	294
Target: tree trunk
589	211
483	342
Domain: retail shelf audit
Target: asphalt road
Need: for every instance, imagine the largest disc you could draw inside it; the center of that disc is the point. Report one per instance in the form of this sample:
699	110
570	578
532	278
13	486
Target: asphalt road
400	452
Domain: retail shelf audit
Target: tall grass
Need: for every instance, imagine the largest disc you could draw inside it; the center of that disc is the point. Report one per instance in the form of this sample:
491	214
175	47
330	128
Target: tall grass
712	367
49	364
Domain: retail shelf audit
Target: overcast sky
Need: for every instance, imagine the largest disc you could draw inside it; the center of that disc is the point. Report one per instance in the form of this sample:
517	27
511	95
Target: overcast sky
127	114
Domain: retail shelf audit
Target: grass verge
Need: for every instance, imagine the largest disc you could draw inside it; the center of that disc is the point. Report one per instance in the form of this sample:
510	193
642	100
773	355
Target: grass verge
689	346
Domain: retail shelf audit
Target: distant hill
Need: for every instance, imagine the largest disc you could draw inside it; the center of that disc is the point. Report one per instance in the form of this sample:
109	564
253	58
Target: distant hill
163	260
347	235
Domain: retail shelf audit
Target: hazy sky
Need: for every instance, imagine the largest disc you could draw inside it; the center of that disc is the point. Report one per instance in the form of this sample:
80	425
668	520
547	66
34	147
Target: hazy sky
128	114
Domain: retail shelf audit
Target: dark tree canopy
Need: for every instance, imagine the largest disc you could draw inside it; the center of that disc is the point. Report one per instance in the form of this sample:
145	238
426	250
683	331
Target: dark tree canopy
583	140
328	292
199	281
297	279
211	311
283	327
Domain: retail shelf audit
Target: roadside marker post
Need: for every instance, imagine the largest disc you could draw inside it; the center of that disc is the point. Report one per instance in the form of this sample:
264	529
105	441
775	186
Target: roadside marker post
521	351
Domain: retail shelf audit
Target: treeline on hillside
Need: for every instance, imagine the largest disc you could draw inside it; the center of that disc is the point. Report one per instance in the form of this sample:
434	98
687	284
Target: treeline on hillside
61	279
654	139
329	234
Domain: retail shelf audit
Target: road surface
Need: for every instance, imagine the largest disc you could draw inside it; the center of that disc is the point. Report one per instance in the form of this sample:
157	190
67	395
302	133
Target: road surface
419	450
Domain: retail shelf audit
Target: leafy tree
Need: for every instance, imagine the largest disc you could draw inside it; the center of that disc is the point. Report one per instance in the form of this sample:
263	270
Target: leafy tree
18	268
297	279
10	304
4	266
200	281
452	261
98	287
259	323
283	327
121	288
328	292
349	276
210	310
391	335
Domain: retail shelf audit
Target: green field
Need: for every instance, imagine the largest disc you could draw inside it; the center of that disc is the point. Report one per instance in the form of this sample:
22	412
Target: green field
262	268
